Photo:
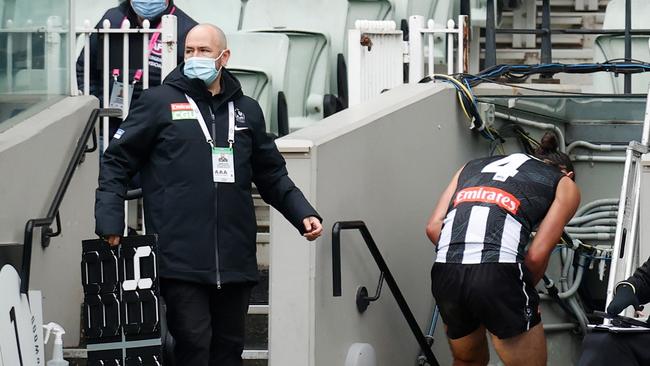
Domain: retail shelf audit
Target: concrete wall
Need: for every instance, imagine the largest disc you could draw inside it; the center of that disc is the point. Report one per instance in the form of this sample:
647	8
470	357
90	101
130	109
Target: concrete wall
33	157
384	162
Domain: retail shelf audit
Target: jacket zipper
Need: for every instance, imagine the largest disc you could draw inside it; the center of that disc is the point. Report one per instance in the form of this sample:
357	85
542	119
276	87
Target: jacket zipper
216	200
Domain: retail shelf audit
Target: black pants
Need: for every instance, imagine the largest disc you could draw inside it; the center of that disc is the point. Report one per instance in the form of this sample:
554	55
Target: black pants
623	349
207	323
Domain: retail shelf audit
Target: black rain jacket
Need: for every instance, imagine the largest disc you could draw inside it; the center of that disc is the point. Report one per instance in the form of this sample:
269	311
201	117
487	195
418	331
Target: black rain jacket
206	231
116	15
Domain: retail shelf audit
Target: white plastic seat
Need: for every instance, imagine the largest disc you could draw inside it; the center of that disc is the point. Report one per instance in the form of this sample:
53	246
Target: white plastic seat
261	77
223	13
438	10
317	33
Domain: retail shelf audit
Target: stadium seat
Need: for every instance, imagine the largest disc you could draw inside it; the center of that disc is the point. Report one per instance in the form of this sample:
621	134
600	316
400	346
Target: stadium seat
226	14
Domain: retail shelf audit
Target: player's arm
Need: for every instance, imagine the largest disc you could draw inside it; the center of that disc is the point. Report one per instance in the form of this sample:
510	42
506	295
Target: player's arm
434	226
565	204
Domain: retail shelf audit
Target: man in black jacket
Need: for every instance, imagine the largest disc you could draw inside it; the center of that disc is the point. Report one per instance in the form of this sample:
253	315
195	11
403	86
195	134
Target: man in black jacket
621	349
199	144
135	11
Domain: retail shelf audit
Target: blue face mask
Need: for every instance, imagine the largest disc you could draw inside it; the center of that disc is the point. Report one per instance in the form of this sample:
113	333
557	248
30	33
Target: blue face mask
202	68
148	9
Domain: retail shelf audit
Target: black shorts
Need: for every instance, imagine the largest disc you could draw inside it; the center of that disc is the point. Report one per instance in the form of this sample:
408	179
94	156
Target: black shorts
499	296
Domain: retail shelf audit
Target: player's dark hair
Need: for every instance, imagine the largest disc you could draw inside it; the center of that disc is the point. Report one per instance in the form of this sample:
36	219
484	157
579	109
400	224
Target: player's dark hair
549	153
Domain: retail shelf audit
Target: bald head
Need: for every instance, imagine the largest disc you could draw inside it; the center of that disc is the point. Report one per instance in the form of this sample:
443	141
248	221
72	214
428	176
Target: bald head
208	33
208	41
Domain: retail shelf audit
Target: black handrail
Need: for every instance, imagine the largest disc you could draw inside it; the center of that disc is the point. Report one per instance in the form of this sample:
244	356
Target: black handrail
53	212
383	267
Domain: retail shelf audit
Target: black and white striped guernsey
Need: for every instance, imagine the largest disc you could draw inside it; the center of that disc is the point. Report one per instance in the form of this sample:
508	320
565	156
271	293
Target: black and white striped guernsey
498	201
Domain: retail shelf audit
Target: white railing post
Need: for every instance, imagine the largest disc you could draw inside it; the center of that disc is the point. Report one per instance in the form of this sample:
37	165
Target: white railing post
146	52
450	46
125	69
106	25
462	47
72	37
86	37
169	39
416	57
125	99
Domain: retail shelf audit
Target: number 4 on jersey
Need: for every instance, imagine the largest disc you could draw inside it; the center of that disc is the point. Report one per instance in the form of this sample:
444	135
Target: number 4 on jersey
506	167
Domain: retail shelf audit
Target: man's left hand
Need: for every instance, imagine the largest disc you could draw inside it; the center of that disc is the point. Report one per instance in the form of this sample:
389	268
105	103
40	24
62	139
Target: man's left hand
313	228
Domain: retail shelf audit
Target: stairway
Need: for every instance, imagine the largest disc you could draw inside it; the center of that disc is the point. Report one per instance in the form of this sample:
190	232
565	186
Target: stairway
257	323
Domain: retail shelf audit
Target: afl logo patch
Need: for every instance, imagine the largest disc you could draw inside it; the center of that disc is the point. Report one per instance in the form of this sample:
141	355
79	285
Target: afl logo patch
239	116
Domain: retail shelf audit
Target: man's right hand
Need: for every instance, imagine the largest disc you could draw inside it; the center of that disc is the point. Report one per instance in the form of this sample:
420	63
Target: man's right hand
113	240
623	298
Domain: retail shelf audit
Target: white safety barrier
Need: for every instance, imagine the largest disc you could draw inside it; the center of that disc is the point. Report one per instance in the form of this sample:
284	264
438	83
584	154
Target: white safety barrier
375	58
417	34
54	67
377	54
167	32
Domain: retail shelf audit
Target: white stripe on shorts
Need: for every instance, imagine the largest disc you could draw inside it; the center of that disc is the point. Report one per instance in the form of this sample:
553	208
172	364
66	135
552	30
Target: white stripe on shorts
523	288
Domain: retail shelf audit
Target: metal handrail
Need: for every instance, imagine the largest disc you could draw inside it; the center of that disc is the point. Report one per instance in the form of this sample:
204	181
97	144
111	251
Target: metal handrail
53	212
388	276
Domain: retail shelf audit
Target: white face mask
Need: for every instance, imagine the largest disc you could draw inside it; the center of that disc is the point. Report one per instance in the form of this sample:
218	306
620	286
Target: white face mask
202	68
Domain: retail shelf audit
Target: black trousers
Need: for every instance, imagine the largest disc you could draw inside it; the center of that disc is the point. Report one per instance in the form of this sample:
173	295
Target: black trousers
622	349
208	324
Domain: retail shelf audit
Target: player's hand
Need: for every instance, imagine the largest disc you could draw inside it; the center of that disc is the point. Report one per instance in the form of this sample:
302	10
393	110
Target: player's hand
313	228
623	298
113	240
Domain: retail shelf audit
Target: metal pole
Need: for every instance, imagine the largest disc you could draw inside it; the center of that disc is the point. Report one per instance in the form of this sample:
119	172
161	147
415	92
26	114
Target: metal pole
169	39
450	46
106	25
627	79
463	44
490	36
416	55
465	8
146	55
546	49
72	37
430	25
125	69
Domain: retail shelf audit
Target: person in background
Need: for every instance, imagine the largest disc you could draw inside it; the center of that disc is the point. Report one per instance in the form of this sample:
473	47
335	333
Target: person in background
485	273
135	11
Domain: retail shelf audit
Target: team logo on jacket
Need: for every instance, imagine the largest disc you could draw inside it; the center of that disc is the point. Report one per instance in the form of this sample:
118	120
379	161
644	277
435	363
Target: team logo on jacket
239	116
182	111
491	195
